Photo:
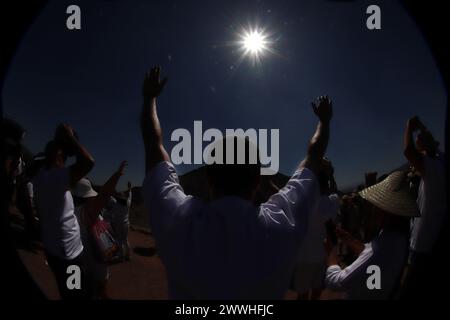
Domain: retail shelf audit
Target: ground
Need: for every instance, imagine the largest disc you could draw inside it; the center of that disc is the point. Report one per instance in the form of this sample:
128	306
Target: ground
141	278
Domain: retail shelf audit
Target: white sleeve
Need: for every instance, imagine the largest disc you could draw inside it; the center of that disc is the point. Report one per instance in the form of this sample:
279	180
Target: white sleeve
341	279
293	204
163	197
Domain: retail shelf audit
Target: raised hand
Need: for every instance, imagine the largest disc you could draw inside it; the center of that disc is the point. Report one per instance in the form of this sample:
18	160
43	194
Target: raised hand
65	133
415	124
153	86
323	108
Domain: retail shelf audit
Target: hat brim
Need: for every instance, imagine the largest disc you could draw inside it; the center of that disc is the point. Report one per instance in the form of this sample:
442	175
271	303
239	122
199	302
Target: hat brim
90	194
398	202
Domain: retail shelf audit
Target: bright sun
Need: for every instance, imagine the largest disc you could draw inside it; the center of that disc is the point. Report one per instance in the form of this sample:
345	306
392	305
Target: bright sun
254	43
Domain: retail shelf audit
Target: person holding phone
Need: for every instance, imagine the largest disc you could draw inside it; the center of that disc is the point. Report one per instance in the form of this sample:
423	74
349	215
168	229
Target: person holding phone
392	206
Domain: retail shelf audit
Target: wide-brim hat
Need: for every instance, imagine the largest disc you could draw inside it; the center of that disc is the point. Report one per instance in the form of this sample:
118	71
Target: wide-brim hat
83	189
393	195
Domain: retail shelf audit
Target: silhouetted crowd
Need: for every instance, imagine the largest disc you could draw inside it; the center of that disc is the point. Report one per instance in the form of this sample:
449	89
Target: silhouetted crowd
382	240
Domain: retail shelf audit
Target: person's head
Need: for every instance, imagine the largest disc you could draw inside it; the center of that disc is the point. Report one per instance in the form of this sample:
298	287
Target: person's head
425	143
83	192
240	175
55	155
389	204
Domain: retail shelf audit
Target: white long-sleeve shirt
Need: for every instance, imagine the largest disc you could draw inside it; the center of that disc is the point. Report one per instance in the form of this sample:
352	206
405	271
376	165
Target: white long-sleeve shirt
228	248
388	251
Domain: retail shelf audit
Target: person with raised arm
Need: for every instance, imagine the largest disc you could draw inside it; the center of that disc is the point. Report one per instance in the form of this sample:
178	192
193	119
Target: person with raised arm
429	162
227	248
310	265
60	231
377	270
88	208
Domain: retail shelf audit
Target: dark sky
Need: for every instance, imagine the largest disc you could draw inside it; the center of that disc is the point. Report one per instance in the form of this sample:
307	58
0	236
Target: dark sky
92	78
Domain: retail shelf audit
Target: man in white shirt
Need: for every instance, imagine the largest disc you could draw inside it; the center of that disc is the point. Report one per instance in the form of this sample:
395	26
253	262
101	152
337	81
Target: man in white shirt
429	162
60	231
376	272
227	248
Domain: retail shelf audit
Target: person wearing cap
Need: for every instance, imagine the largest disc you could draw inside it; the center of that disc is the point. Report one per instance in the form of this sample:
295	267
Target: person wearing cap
429	162
60	231
88	208
392	206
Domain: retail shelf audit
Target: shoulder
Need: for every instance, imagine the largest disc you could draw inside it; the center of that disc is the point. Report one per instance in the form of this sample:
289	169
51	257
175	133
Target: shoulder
159	173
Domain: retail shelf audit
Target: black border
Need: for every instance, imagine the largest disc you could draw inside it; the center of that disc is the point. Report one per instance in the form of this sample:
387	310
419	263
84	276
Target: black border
17	285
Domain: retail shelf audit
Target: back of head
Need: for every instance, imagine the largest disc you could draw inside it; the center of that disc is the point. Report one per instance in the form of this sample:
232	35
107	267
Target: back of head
54	154
233	167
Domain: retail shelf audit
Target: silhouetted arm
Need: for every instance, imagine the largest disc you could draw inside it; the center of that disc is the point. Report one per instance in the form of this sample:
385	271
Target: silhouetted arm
150	127
84	161
319	142
410	151
106	191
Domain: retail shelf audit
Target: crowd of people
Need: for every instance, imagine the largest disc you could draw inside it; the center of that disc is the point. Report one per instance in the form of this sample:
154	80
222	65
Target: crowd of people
307	235
76	224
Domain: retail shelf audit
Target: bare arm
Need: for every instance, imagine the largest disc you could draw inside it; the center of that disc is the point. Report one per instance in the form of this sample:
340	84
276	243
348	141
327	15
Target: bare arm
352	243
150	127
84	161
106	191
319	142
410	151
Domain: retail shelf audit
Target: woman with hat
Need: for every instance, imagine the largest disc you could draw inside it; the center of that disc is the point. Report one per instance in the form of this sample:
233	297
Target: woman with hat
376	272
88	206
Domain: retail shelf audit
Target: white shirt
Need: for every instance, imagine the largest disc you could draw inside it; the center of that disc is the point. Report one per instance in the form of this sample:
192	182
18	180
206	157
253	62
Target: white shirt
431	200
311	249
227	248
59	225
117	213
387	251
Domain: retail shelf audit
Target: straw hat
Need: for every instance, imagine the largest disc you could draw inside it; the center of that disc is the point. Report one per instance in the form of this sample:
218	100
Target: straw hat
83	189
393	195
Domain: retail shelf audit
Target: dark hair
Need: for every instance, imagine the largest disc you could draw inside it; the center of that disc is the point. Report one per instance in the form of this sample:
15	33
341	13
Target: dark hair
51	151
235	179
